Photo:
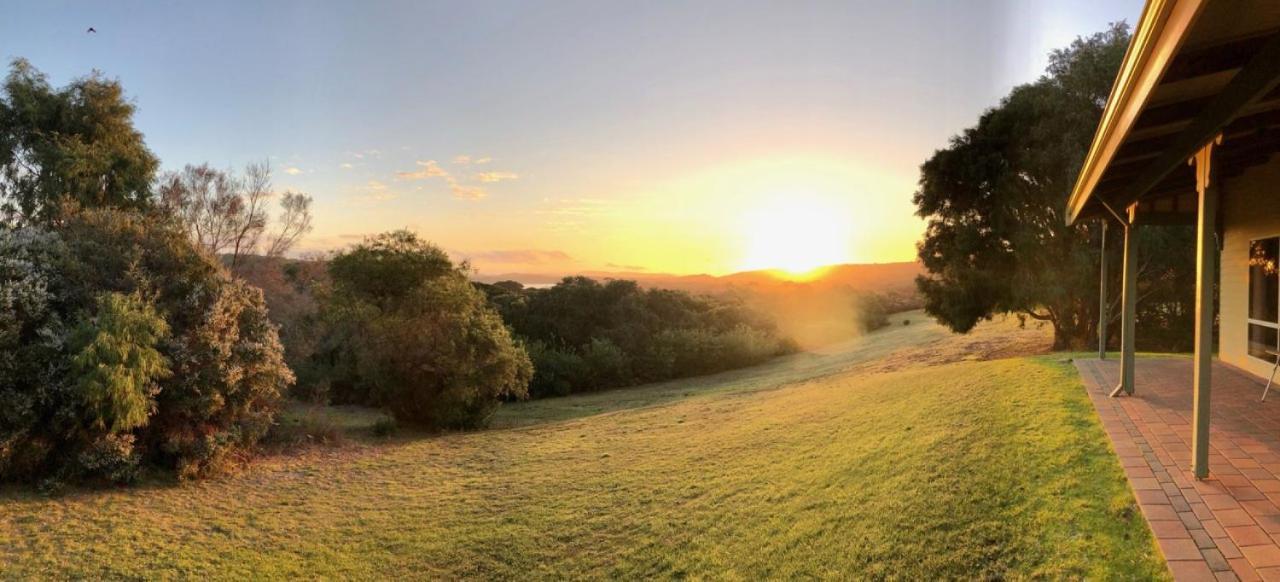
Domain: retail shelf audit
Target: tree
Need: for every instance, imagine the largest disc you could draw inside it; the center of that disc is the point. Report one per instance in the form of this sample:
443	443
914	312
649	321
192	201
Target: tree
386	268
225	214
116	362
996	239
406	330
75	143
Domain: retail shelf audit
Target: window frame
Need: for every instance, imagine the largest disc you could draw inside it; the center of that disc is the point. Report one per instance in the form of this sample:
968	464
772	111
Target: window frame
1259	322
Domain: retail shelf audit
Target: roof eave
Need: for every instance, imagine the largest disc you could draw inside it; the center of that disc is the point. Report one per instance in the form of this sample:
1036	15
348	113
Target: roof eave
1160	32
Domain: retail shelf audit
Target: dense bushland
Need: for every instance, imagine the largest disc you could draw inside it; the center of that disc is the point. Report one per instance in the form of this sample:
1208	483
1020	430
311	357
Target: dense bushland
585	335
121	343
402	328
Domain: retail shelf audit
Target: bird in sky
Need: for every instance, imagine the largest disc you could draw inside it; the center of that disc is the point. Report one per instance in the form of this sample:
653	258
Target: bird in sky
91	30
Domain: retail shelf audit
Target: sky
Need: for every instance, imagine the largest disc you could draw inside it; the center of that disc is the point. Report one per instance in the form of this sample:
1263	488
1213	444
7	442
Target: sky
568	136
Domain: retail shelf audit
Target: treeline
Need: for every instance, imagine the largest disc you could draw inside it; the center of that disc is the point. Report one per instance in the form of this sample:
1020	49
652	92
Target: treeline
584	335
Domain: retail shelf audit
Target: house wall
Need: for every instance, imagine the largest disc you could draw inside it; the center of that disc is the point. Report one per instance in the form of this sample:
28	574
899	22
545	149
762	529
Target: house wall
1250	210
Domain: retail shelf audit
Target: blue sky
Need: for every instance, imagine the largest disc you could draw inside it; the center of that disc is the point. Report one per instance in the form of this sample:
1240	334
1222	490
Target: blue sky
545	136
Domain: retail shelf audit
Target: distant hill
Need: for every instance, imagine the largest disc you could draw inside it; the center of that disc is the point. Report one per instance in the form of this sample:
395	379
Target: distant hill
869	277
816	311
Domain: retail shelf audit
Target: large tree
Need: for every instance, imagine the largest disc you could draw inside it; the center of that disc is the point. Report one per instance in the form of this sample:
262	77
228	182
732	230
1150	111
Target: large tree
996	240
75	143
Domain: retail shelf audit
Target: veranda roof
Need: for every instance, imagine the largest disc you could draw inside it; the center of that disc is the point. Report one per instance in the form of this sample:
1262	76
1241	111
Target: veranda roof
1194	69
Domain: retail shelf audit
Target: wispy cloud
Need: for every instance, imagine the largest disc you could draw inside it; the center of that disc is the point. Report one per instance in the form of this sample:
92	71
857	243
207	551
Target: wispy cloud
462	188
625	267
467	160
375	191
466	192
292	170
490	177
346	165
429	169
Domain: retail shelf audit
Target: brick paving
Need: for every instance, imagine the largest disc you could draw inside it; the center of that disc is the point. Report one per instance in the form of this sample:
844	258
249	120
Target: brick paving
1226	527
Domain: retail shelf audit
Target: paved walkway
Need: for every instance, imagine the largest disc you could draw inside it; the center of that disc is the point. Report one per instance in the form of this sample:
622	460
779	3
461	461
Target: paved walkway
1226	527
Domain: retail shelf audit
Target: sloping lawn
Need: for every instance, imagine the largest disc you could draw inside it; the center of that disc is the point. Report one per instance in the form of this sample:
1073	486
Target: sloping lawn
967	469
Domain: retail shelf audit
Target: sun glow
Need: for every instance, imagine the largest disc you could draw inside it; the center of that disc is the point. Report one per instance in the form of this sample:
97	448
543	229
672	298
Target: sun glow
796	235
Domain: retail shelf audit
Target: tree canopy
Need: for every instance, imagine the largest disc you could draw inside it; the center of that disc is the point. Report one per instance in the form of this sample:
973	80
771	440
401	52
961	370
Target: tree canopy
402	328
75	143
996	240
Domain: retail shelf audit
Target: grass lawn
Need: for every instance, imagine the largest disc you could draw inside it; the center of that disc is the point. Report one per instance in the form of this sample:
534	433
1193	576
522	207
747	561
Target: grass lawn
890	465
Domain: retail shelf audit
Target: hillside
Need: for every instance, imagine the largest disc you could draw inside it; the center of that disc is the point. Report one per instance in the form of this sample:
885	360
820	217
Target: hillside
902	453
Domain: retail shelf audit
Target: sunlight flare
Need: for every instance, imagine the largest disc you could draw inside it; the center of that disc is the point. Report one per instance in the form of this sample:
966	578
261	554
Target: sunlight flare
796	235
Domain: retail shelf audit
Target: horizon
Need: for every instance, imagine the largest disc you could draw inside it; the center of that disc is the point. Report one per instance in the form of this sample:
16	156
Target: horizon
663	138
549	277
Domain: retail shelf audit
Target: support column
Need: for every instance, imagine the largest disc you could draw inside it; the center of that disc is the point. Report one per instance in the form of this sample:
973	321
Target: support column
1102	295
1128	315
1206	269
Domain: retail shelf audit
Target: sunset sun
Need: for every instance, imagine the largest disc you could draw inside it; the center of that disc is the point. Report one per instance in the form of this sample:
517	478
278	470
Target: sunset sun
795	235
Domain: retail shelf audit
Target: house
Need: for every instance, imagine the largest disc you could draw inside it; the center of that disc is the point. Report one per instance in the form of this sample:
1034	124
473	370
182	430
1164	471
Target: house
1190	135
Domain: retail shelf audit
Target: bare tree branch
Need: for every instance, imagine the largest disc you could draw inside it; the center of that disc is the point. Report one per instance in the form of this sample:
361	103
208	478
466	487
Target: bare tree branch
228	215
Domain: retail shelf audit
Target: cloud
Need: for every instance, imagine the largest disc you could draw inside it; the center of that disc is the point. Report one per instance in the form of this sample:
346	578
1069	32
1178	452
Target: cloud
625	267
375	191
293	170
526	256
490	177
466	192
346	165
430	169
466	160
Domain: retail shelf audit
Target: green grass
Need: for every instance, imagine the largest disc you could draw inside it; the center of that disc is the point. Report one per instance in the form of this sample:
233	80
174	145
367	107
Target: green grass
896	467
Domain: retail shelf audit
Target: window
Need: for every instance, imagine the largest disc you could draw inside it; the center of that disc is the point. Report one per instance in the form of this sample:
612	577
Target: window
1264	298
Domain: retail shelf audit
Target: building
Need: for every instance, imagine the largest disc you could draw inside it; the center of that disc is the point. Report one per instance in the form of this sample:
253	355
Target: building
1190	135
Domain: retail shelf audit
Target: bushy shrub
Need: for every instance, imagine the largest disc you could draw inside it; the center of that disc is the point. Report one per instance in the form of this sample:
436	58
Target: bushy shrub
290	287
116	365
606	364
406	331
555	372
872	311
699	351
122	343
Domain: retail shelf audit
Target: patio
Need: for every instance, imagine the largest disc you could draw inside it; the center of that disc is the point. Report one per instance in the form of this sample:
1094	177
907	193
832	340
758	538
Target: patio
1225	527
